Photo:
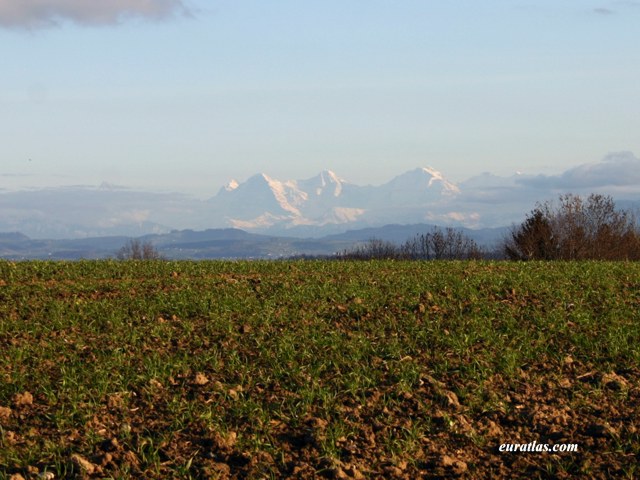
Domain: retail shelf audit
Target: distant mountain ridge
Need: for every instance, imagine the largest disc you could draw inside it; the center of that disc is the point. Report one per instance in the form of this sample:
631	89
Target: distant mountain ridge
262	203
219	243
318	206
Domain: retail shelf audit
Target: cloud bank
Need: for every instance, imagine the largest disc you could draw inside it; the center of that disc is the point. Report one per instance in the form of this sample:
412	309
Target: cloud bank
616	170
33	14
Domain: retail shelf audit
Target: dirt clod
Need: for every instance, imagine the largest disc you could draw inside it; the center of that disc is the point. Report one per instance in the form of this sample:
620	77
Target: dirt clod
614	381
200	379
22	399
5	413
456	466
84	464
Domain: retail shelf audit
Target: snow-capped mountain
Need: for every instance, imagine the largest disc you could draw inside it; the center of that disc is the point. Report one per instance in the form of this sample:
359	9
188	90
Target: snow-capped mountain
415	188
264	203
426	182
260	194
313	207
325	184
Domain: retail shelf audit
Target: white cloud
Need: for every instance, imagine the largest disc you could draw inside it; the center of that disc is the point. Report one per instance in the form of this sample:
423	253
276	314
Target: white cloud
616	169
46	13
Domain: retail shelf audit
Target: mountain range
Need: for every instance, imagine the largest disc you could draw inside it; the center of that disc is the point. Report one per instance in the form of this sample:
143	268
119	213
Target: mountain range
322	205
325	201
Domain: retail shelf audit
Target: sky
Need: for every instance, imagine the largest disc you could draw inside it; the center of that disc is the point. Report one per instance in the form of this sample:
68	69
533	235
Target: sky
182	96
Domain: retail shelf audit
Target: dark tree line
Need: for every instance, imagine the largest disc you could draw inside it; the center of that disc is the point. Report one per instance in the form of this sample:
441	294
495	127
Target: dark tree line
438	244
575	228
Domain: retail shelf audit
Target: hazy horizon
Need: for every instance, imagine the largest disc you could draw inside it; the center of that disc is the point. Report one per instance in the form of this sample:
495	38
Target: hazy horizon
617	169
314	205
185	95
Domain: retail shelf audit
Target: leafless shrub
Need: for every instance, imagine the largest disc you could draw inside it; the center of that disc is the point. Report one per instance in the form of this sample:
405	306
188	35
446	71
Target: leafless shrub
373	249
438	244
575	229
134	249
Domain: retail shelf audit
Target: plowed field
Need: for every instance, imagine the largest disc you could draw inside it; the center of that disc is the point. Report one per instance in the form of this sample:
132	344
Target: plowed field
318	369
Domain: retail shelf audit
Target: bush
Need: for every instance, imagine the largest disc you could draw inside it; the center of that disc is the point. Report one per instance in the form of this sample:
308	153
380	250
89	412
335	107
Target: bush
136	250
447	244
575	229
373	249
438	244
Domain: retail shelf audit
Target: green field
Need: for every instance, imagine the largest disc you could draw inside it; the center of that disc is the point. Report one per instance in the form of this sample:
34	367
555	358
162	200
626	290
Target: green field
318	369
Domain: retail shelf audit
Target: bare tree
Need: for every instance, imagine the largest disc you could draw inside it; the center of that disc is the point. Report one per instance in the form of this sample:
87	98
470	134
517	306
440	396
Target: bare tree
134	249
375	248
438	244
575	228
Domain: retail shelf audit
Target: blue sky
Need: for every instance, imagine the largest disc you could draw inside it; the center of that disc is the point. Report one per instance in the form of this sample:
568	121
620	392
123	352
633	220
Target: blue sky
183	96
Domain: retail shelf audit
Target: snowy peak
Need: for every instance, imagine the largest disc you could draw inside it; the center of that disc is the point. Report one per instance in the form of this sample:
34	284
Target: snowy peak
256	196
231	185
422	181
285	194
436	176
259	179
263	202
328	177
325	183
